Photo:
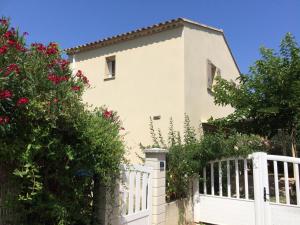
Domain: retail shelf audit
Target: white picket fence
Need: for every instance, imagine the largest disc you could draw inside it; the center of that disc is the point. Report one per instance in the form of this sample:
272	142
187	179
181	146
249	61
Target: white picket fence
260	189
135	196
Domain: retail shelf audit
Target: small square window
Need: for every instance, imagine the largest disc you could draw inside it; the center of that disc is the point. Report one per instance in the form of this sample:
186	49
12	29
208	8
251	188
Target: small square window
212	72
110	68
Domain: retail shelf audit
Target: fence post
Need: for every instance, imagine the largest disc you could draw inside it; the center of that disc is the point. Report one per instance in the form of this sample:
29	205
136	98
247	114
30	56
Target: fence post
156	158
261	188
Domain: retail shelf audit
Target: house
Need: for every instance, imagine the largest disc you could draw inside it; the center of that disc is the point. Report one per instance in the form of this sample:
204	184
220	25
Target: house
161	71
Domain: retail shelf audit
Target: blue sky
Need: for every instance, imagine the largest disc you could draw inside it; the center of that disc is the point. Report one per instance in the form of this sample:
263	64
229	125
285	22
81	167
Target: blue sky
248	24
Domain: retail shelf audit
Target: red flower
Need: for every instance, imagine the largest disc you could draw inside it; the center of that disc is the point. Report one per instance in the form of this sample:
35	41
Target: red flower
3	22
82	77
4	120
11	42
75	88
85	80
62	63
53	78
22	101
56	79
39	47
12	68
107	114
79	73
3	49
53	45
52	49
5	94
8	34
20	47
55	100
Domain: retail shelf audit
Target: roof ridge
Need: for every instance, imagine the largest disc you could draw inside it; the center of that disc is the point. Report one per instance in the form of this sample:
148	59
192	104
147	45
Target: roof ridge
155	28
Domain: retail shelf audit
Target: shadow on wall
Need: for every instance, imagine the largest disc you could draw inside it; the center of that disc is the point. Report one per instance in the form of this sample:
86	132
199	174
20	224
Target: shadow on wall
130	44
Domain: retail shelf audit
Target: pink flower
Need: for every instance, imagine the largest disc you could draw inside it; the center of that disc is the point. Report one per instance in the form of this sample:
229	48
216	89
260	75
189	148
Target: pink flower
22	101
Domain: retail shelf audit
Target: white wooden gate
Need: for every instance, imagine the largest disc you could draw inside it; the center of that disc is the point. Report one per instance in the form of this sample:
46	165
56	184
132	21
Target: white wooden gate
135	196
258	190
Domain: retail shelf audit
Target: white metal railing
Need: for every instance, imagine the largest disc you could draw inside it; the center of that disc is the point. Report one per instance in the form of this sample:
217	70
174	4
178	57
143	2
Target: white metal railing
263	188
225	170
236	173
286	161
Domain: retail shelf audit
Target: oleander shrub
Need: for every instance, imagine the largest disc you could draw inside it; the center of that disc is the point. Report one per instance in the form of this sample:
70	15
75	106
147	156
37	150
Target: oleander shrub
54	150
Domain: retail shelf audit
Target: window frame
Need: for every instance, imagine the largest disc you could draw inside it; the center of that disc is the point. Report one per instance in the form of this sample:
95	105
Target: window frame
211	75
110	68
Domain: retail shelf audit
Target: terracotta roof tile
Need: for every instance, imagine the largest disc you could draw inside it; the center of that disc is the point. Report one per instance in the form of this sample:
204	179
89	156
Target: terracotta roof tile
167	25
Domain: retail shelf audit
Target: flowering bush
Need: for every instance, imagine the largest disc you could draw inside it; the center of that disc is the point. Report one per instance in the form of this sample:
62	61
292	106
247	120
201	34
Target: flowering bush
189	154
52	148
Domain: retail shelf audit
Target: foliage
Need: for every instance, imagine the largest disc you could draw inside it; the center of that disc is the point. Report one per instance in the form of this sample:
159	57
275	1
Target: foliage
52	147
267	99
188	155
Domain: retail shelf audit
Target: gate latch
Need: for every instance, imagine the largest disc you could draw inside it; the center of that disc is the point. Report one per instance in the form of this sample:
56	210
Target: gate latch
265	194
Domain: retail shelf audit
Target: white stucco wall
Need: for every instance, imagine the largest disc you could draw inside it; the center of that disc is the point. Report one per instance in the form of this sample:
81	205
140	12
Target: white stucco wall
162	74
148	82
200	45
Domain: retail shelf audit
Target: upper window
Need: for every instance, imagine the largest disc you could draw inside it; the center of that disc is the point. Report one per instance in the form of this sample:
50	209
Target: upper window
110	69
212	72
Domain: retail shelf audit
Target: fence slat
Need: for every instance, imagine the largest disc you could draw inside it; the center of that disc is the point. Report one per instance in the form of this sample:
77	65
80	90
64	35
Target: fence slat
246	178
220	179
286	183
237	179
228	179
296	172
144	191
131	191
212	178
276	181
137	191
204	180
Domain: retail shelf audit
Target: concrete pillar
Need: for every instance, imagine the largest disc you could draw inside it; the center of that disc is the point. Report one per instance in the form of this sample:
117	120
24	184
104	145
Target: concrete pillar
156	158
